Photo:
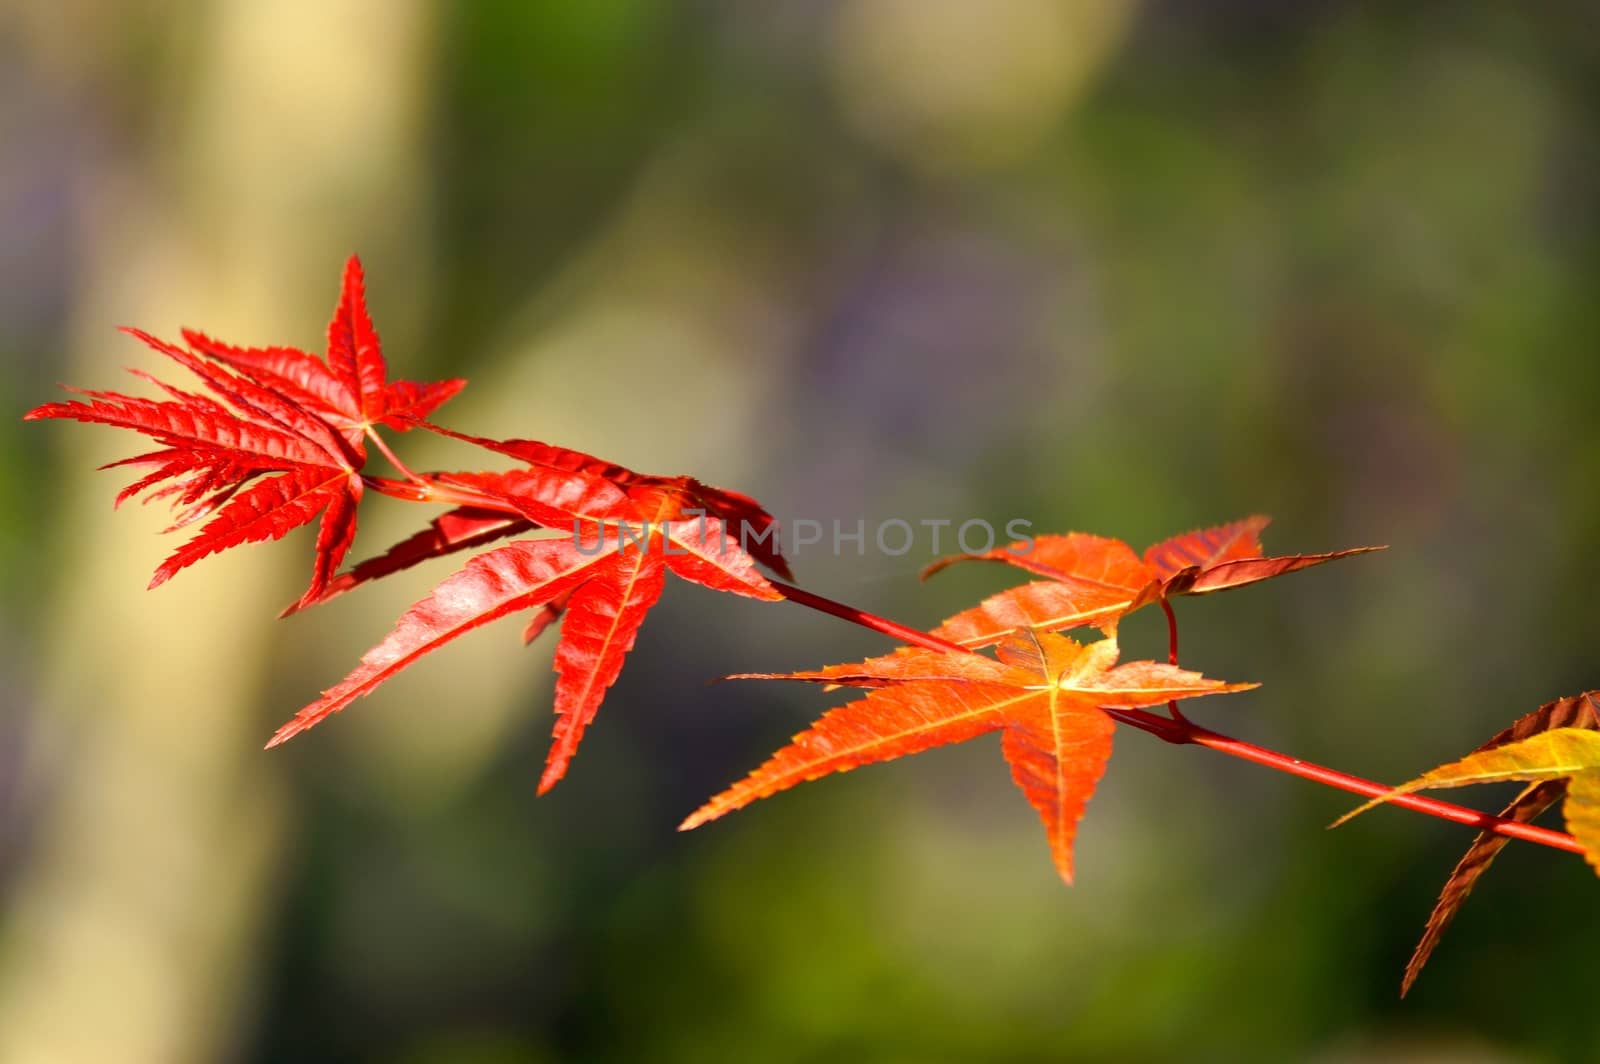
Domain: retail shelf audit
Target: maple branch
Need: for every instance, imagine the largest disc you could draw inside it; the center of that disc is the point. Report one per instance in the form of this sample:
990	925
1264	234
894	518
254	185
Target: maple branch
1172	631
1180	731
1176	729
882	625
394	459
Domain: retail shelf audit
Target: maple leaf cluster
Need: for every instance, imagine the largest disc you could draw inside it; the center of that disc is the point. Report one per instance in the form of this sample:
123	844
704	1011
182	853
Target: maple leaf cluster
287	441
279	438
295	427
601	582
283	441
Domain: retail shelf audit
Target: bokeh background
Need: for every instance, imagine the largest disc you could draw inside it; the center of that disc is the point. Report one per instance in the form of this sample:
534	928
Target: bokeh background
1113	266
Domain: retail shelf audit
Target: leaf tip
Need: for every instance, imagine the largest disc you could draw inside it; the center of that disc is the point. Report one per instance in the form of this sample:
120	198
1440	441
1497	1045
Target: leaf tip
1358	810
552	775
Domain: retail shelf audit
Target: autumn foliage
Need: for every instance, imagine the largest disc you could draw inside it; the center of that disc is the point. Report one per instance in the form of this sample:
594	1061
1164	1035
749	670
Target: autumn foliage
278	438
1043	692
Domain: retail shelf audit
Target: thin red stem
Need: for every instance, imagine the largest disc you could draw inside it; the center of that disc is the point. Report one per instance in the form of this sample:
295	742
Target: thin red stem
893	629
1172	654
394	459
429	489
1172	631
398	489
1186	732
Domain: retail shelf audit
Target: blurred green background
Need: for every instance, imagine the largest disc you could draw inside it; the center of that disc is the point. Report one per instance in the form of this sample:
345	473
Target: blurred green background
1127	268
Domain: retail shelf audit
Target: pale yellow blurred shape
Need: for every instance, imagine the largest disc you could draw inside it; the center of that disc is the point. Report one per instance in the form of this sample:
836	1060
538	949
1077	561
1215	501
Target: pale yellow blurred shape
134	927
951	85
657	346
312	128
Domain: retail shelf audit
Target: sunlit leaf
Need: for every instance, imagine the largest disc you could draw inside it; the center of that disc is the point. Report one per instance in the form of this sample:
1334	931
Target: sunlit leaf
1043	691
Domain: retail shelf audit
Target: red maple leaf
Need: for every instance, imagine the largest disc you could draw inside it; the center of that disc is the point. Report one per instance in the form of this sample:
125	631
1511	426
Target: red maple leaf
286	417
1043	694
559	488
603	577
1094	580
212	450
757	530
351	390
287	442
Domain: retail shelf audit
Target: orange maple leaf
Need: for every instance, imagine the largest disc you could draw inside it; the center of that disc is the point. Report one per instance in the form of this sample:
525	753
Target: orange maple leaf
1044	694
1095	580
